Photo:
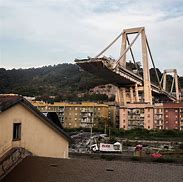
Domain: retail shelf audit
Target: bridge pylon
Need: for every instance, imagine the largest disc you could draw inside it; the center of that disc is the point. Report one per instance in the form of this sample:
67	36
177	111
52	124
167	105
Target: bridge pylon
174	82
144	50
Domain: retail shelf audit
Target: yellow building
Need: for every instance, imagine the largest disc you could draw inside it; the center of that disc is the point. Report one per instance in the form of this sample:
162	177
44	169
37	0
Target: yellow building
75	115
22	125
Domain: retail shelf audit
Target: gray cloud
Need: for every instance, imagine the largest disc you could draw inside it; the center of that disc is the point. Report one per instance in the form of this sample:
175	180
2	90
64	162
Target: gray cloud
41	32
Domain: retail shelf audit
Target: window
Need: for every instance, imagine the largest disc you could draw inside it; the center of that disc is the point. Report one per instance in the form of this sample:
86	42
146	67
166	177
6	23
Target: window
16	131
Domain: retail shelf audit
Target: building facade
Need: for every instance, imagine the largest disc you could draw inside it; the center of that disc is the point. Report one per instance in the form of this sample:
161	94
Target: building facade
157	116
22	125
136	116
76	115
132	115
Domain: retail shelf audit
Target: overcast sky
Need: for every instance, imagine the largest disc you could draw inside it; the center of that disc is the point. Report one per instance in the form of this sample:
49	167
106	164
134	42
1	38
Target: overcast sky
35	33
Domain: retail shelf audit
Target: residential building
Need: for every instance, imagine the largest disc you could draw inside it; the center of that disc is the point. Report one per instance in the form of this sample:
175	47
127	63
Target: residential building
157	116
75	115
24	126
113	115
172	115
136	116
181	118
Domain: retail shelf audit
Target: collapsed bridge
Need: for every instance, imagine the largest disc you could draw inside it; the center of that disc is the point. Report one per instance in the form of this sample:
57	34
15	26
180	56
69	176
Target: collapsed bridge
116	72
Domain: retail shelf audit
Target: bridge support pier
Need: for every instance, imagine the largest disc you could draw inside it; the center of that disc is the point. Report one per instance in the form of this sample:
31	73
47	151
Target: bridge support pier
131	95
124	96
136	93
174	82
146	74
121	97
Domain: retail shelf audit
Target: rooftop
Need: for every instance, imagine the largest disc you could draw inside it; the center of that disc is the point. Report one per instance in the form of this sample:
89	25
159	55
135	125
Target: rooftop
65	104
40	169
9	101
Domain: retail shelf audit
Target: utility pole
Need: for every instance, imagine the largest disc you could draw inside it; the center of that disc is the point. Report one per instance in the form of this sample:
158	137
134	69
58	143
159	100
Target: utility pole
91	129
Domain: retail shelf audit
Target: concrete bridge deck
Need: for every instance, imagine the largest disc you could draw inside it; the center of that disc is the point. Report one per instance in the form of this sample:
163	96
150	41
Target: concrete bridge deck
121	77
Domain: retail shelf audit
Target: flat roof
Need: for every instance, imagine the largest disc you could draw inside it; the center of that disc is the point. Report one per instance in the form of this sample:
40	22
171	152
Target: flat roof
41	169
66	104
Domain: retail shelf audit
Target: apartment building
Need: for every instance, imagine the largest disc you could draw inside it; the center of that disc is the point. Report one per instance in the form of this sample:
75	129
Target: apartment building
181	118
75	115
136	116
173	115
158	116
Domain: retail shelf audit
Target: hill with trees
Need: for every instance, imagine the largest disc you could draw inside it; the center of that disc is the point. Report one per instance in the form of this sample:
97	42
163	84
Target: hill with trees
65	81
62	80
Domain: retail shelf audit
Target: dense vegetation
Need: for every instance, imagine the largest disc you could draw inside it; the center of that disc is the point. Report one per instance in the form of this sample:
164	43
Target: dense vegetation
136	133
64	81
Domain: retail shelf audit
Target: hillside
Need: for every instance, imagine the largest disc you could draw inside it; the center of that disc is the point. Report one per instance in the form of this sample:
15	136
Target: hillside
63	80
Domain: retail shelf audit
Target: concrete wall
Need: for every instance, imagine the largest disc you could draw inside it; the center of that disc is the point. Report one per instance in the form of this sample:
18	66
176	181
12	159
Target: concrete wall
36	136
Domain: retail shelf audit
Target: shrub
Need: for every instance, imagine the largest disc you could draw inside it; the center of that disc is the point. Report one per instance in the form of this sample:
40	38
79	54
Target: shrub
135	158
164	160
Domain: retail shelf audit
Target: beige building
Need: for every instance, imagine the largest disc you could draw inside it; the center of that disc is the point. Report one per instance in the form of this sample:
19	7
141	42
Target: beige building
136	116
22	125
76	115
158	116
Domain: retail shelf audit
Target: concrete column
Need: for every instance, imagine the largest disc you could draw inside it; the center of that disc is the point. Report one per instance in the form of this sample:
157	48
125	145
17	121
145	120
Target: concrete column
131	95
176	86
136	93
118	97
164	81
123	48
146	75
124	95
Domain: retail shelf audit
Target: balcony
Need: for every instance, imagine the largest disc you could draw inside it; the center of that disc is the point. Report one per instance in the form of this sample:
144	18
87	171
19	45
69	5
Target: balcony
90	110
